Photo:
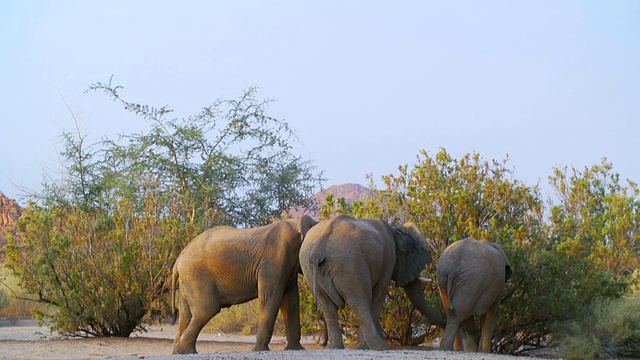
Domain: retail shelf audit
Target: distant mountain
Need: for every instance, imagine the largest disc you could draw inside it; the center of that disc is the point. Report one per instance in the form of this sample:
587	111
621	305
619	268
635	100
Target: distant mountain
350	193
10	212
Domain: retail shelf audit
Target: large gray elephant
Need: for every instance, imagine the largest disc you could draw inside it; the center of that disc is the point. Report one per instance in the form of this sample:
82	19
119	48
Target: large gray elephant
346	260
471	280
225	266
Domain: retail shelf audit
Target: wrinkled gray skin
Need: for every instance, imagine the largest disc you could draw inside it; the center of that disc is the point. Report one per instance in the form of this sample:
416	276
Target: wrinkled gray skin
345	260
225	266
471	281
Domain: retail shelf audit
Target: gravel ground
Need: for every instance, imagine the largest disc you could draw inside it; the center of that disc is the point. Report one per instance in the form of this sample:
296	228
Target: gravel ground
25	340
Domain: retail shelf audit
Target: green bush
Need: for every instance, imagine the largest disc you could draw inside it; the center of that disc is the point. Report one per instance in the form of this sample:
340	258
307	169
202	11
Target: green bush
585	251
98	244
99	272
610	330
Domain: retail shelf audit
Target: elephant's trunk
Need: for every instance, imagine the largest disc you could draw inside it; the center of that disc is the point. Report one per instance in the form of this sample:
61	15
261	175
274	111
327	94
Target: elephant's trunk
415	291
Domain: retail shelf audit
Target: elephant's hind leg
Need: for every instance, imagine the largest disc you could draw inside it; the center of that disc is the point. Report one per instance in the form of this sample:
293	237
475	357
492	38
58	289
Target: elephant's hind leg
203	305
290	310
469	335
184	317
488	326
450	334
369	316
330	313
450	338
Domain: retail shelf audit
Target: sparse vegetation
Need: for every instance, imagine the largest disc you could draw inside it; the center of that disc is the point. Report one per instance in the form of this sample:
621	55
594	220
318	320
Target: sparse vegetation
610	330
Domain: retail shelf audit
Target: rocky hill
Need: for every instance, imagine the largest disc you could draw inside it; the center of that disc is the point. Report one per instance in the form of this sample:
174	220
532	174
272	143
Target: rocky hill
9	213
350	193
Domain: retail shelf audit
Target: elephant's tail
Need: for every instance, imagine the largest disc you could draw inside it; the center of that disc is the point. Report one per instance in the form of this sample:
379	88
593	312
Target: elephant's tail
447	294
322	279
313	286
174	279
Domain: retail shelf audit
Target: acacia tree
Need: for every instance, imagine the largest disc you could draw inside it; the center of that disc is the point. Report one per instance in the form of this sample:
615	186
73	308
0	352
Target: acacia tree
98	244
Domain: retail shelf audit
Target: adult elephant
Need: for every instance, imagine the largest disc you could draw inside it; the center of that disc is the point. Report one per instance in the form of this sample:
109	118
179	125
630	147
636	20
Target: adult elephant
471	280
352	261
225	266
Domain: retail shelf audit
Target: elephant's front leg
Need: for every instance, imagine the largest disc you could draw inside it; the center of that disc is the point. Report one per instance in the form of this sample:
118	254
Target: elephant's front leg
290	310
269	304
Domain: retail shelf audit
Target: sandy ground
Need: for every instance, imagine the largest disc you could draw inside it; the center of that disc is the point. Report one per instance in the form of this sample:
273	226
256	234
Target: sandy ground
26	340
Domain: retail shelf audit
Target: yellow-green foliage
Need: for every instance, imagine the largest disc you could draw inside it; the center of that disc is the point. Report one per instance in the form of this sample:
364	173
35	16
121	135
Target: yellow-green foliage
4	299
14	300
585	250
101	272
235	319
241	318
609	330
634	283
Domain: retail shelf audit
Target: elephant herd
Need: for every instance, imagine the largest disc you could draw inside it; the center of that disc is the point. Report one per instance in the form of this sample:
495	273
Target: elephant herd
345	261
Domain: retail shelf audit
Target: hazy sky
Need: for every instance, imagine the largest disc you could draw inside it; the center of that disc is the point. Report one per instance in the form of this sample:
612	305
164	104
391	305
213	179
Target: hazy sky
365	84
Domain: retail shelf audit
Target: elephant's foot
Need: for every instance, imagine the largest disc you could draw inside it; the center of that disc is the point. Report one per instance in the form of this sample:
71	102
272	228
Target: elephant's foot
379	346
258	347
294	346
177	349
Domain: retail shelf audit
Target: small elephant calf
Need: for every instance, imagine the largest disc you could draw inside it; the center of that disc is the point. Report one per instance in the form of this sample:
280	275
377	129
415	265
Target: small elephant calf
471	280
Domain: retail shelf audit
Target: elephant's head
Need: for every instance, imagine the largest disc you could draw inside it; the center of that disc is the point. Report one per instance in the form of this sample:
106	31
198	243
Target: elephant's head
413	253
304	224
507	271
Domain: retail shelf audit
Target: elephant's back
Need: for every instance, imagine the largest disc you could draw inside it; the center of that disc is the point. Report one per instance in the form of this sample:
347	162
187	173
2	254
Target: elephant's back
456	265
343	234
217	242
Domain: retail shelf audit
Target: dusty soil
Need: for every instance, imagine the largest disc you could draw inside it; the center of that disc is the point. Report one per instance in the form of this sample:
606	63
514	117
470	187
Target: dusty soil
26	340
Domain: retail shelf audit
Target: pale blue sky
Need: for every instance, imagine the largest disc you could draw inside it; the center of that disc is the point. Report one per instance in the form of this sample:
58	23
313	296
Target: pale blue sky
365	84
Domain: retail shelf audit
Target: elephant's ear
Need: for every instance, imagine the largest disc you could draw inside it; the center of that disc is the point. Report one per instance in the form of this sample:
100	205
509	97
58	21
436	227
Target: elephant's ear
304	224
508	272
413	254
